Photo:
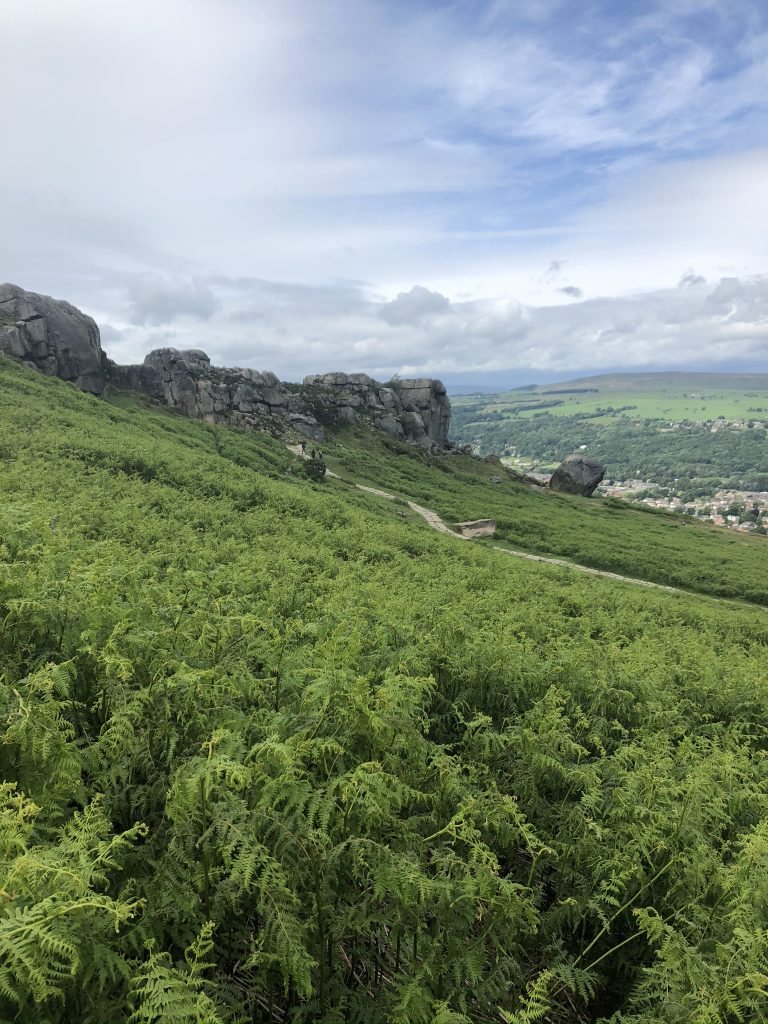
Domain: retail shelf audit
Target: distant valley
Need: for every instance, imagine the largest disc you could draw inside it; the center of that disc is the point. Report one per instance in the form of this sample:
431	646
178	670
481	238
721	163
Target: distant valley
688	442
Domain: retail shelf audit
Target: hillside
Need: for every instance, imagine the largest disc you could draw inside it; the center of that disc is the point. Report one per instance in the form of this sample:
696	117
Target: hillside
273	751
605	533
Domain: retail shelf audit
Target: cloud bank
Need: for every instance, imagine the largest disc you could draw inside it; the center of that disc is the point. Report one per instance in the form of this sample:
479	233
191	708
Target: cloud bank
293	329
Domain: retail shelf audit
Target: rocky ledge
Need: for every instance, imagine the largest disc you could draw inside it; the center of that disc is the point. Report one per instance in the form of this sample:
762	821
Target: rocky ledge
57	339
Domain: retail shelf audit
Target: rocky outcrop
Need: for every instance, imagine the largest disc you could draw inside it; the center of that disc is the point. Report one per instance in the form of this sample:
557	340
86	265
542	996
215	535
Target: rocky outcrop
416	410
136	378
57	339
412	410
577	474
51	336
239	397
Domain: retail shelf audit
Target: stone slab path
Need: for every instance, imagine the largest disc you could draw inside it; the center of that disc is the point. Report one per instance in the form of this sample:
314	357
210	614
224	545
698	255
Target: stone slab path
434	520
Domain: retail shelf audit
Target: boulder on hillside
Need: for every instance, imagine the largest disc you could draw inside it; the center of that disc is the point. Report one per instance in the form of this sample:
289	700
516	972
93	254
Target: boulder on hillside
577	474
51	336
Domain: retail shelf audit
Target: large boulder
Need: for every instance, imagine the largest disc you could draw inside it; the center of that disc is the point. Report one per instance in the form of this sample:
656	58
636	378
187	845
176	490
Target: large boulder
577	474
137	378
51	336
428	401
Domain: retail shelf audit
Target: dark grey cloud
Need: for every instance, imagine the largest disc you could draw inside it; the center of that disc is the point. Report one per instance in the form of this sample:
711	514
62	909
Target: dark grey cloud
572	291
414	306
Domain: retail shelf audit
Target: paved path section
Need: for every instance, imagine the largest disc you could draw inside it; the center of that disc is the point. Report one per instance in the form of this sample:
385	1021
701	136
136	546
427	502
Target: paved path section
434	520
427	514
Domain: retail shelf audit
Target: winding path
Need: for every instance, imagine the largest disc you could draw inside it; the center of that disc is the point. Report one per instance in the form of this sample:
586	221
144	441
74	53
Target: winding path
434	520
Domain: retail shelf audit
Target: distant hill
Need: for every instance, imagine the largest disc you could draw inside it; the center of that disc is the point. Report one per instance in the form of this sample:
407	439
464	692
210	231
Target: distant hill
660	382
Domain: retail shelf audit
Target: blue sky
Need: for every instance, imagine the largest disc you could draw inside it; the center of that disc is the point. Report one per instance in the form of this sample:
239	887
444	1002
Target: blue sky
480	190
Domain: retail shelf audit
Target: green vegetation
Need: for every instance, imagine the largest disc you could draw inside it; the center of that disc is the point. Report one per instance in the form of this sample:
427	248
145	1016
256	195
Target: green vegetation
654	427
272	752
608	534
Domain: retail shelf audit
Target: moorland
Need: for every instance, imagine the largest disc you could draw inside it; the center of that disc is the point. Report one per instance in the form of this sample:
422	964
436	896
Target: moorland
274	750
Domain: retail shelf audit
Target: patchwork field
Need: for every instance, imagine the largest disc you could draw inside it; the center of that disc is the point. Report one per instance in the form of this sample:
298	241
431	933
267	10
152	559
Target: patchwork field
673	396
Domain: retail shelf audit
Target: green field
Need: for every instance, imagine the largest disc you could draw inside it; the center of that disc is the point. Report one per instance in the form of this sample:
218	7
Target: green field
673	396
656	427
272	751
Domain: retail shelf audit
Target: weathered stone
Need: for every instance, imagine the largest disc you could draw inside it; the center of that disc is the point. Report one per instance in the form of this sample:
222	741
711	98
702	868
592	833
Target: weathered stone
53	336
577	474
413	410
239	397
477	528
138	378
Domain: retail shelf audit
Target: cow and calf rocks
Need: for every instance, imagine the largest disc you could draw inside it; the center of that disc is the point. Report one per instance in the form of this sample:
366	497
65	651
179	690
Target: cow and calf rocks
51	336
58	340
577	474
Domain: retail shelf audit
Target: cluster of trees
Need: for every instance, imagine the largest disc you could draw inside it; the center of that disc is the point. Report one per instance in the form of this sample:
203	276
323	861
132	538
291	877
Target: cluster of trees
270	753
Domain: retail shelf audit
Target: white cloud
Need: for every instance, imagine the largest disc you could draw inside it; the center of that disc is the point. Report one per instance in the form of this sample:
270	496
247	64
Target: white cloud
704	324
414	306
302	185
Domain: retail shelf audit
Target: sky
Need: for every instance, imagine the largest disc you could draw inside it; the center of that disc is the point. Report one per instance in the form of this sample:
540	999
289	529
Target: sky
496	191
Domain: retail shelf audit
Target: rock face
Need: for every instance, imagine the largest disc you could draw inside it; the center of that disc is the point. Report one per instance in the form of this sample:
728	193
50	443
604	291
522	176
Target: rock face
51	336
577	474
413	410
239	397
138	378
57	339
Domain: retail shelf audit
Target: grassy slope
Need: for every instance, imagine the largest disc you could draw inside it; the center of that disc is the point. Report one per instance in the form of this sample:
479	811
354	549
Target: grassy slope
602	533
192	639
